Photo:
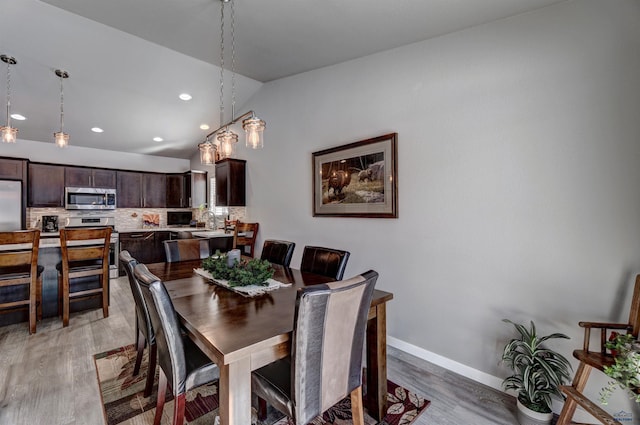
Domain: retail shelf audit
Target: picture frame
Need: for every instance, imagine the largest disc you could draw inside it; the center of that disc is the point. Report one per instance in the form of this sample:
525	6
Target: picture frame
357	179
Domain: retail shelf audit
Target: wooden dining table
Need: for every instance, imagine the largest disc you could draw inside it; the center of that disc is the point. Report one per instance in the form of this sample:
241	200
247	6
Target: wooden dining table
241	334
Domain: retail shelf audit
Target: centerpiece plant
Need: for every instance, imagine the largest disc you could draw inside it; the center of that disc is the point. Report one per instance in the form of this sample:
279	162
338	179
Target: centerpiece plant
625	370
538	372
242	273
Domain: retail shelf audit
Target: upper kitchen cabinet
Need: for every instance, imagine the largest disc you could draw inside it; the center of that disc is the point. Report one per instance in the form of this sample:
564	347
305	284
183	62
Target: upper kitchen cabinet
187	190
13	169
230	183
141	190
90	177
45	185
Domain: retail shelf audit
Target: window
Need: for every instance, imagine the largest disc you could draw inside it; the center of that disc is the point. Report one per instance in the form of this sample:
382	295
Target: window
218	211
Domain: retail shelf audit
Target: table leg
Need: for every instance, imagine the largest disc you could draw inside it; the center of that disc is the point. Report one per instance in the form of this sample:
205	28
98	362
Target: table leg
235	393
376	375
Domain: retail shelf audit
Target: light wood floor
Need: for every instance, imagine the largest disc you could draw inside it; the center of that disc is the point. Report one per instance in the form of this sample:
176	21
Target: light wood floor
50	378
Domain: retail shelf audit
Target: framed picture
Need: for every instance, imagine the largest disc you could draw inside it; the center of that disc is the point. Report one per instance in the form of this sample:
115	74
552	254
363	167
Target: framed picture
357	180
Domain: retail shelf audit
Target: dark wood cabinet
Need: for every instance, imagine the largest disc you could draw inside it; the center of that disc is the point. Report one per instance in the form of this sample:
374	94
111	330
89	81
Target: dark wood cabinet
198	188
13	169
158	247
129	189
140	245
176	191
187	190
230	183
45	185
154	190
90	177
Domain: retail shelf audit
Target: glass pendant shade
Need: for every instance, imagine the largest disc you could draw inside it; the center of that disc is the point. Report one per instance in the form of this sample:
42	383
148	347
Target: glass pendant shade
227	140
254	128
207	153
8	134
61	139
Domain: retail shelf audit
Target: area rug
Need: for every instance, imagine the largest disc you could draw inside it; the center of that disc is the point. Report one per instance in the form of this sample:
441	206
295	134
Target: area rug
124	403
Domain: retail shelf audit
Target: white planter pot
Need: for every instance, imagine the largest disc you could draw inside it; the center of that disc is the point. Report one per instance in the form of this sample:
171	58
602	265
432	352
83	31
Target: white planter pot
527	416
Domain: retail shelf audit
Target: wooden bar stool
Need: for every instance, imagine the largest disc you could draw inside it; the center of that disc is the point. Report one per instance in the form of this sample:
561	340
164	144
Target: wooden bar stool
19	267
244	237
85	252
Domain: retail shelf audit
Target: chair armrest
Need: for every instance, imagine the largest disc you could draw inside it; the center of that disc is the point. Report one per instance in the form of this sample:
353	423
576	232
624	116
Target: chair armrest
604	327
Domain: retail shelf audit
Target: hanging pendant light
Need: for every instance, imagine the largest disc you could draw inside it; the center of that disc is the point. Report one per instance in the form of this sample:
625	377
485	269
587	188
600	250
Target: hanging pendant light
254	128
207	152
227	140
8	134
61	138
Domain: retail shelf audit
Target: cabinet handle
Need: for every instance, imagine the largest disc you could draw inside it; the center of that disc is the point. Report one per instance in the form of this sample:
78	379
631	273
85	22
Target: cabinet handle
136	235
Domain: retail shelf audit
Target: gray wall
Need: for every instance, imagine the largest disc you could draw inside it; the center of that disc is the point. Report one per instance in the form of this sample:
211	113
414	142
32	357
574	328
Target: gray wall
518	183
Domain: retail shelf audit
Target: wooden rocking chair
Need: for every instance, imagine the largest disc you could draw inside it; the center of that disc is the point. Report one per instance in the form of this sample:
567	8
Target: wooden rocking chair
596	360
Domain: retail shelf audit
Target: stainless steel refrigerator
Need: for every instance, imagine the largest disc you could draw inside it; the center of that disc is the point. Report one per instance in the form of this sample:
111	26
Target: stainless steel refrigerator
10	205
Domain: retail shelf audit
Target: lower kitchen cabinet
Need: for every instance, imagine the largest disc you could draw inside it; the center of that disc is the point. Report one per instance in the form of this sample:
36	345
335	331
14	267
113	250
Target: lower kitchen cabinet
145	246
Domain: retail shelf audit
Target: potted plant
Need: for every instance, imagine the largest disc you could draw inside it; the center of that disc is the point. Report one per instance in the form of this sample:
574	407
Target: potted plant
626	369
538	373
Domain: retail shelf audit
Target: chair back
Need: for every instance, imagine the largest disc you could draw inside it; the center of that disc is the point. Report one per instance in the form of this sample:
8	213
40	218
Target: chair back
186	249
90	255
634	312
165	323
142	311
277	252
324	261
247	241
19	263
328	338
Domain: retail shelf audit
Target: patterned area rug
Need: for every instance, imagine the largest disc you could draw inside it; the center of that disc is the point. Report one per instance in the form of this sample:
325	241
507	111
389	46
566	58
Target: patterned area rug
124	403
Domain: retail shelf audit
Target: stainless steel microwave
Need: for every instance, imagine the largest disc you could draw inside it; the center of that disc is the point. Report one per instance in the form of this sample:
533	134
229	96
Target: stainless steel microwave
89	198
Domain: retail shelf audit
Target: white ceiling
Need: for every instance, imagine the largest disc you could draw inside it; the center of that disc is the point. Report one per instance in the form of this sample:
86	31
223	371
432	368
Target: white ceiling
129	59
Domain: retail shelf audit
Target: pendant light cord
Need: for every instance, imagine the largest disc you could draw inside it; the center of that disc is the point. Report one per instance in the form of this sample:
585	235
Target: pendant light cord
8	93
221	62
61	104
233	60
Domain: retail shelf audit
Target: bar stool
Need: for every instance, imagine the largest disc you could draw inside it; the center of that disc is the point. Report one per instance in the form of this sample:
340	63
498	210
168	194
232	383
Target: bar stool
244	236
19	267
85	252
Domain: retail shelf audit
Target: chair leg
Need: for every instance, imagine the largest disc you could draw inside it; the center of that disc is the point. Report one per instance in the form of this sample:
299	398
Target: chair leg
140	344
579	382
357	410
151	371
65	301
33	304
178	409
104	281
162	392
39	299
262	409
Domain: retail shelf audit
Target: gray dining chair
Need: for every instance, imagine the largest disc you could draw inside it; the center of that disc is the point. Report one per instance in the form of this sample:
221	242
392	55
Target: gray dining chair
183	365
186	249
325	363
324	261
277	252
145	336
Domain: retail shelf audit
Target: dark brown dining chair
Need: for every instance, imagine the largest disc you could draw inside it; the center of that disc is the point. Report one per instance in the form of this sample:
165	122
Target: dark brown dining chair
19	268
186	249
325	364
145	336
277	252
244	237
183	365
85	253
324	261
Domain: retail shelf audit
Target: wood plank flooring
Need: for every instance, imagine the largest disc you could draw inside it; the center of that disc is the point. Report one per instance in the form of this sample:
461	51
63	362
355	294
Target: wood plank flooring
50	378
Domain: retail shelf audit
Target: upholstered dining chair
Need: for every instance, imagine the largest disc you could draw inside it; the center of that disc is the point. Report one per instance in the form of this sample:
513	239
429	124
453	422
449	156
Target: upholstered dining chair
324	261
186	249
182	364
244	237
325	364
145	336
277	252
19	267
85	252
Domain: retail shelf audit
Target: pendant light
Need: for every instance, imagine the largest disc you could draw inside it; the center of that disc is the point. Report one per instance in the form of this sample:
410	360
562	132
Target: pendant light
8	134
61	138
207	152
254	128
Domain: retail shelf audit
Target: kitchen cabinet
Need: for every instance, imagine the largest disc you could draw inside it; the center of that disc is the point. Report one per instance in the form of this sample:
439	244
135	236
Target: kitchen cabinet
230	183
187	190
13	169
140	245
141	190
45	185
90	177
158	247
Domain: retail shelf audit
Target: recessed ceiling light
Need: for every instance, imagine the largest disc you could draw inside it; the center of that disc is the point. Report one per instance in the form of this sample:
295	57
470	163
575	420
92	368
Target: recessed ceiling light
97	130
158	139
185	96
204	126
18	117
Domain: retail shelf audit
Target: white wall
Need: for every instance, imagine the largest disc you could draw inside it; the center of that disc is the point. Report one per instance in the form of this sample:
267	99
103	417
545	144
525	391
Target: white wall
518	175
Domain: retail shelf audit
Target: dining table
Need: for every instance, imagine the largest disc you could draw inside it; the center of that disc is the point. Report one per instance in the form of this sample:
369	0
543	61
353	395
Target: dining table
241	333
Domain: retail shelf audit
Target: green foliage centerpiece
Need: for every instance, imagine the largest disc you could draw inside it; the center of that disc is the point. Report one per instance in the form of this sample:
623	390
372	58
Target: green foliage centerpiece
242	273
626	369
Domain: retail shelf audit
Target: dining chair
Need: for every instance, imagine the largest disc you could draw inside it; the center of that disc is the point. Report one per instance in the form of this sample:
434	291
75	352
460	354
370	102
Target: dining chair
186	249
244	237
325	363
277	252
324	261
85	253
19	268
180	360
145	336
